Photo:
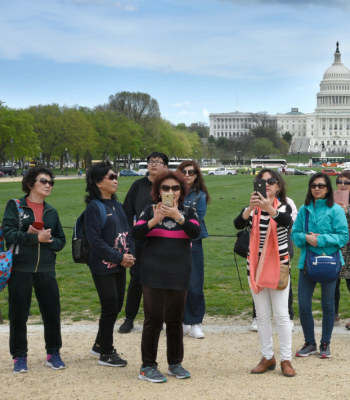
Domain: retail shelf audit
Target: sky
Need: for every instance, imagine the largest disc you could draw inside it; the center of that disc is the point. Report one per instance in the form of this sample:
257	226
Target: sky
195	57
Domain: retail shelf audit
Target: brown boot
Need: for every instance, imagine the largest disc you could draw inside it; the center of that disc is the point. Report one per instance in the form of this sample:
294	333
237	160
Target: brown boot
287	369
264	365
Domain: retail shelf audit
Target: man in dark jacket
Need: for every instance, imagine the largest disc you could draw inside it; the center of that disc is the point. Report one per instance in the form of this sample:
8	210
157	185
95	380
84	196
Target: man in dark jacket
137	198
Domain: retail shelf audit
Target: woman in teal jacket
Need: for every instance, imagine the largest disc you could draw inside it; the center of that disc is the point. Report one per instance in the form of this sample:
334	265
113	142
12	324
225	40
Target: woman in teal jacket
327	233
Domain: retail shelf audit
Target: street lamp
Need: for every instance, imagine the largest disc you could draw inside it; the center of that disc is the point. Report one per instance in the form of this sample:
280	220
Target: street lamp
66	160
239	156
298	156
11	141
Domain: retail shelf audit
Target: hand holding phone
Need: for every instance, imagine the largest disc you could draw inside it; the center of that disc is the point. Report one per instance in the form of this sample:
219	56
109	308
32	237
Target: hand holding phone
38	225
168	199
260	186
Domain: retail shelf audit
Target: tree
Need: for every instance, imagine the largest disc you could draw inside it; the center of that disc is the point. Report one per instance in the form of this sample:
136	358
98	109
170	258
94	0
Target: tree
137	106
263	147
288	137
201	128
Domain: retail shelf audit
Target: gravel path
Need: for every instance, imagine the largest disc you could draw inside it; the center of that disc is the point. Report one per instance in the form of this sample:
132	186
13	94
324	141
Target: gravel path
219	365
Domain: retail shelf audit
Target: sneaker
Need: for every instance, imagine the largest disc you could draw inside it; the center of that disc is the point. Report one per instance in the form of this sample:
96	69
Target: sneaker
95	351
112	360
306	350
196	331
179	371
254	325
151	374
186	329
54	361
20	365
325	351
336	320
347	326
126	326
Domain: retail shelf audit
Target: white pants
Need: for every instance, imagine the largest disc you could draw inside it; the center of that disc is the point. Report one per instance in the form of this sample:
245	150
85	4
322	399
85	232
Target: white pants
278	299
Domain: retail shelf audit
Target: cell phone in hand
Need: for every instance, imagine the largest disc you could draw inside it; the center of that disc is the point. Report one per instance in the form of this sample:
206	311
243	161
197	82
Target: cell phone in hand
168	199
341	196
260	186
38	225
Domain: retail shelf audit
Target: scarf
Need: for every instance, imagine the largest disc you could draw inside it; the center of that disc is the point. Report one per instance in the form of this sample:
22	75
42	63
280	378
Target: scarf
264	271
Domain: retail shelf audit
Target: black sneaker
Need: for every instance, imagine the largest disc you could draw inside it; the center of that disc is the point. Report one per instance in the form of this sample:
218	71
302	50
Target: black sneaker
112	360
95	351
126	326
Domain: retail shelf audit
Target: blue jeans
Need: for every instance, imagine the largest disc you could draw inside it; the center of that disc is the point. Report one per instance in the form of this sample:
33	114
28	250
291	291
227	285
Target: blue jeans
195	303
306	288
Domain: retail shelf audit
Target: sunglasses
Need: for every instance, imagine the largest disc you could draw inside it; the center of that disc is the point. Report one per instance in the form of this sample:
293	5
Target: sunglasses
174	188
347	183
270	181
112	177
318	185
189	172
45	181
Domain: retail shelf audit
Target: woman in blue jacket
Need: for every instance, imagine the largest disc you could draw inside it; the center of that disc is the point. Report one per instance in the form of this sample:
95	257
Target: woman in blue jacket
197	198
327	233
111	249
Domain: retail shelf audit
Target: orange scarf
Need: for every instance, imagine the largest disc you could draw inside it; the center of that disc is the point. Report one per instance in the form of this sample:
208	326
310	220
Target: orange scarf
264	271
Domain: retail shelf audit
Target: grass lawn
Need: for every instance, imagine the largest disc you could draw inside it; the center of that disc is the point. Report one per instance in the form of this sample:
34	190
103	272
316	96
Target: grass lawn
222	289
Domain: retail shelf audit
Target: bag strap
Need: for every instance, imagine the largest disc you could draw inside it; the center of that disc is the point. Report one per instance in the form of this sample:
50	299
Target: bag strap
20	212
239	276
103	211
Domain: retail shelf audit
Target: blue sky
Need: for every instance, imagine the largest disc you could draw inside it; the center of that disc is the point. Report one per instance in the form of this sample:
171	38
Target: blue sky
194	57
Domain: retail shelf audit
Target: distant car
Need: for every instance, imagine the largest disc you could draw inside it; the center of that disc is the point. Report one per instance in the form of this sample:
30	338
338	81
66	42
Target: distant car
330	171
8	170
223	171
128	172
299	172
309	171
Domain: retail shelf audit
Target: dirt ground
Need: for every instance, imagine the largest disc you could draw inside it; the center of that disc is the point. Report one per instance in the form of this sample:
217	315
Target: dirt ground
220	365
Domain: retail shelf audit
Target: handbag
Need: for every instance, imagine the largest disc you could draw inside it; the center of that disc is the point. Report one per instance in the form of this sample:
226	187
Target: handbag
242	243
6	257
284	277
321	268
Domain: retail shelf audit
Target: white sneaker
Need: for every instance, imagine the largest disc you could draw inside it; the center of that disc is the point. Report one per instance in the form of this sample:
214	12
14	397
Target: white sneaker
196	331
186	329
254	325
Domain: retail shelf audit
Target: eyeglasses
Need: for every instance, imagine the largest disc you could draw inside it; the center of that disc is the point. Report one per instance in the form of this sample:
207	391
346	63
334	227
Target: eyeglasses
45	181
270	181
318	185
189	172
111	177
174	188
154	162
347	183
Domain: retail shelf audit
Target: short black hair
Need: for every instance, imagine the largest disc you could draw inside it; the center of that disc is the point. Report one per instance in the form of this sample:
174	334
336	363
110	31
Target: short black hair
329	196
95	174
29	178
157	154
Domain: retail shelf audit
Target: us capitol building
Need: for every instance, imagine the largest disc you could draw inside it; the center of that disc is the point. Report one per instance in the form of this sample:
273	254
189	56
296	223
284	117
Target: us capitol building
328	128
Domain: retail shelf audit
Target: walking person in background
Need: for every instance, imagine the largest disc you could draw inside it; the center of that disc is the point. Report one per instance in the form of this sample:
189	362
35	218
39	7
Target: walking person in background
110	253
327	233
137	198
37	235
165	269
343	184
197	198
269	219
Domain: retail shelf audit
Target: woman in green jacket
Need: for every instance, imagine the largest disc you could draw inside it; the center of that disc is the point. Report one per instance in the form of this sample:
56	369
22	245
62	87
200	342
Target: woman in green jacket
36	233
327	232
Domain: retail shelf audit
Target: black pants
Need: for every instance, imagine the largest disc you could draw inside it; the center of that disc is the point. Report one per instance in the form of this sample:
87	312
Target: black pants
161	305
20	297
133	298
337	294
111	290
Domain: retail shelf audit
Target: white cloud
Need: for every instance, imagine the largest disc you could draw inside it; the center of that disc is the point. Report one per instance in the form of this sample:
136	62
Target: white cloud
180	104
125	7
205	113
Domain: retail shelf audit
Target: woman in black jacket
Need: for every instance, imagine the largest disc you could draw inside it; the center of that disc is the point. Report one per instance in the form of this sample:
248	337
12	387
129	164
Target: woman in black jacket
165	269
36	233
111	252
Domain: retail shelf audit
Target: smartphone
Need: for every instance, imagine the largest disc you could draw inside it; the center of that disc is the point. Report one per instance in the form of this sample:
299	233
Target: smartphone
38	225
341	196
260	186
168	199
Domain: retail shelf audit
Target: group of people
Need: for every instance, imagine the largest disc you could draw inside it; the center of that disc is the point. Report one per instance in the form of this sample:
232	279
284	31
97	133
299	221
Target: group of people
161	244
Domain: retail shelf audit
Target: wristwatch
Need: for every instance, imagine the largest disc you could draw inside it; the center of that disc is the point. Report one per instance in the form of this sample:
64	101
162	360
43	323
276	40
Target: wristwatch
182	218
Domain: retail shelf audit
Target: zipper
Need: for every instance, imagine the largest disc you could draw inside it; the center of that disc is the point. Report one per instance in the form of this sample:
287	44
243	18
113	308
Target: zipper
37	264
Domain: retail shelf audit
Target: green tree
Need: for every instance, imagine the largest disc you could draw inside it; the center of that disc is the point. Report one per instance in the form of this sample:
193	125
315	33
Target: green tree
288	137
263	147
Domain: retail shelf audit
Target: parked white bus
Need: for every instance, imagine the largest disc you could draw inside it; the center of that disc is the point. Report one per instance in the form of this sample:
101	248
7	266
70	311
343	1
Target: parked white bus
268	163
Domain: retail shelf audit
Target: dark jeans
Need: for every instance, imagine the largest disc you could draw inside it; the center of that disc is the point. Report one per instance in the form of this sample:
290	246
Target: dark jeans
337	294
306	288
133	298
111	290
195	302
20	288
161	305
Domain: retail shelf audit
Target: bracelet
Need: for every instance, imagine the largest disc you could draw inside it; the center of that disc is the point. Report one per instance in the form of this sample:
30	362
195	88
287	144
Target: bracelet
182	218
276	214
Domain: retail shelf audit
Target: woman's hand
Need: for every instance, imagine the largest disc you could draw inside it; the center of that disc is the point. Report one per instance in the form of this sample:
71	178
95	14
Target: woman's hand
171	212
128	260
44	236
311	238
343	206
157	216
